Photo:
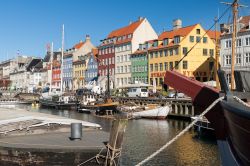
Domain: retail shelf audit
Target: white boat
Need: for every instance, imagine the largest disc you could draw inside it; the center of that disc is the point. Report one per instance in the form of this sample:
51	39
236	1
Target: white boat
151	111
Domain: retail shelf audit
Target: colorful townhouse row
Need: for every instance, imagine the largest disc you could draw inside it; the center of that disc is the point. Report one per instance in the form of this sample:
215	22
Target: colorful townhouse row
135	53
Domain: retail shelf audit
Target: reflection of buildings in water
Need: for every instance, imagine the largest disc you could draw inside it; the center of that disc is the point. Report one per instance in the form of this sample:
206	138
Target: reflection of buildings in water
187	150
178	124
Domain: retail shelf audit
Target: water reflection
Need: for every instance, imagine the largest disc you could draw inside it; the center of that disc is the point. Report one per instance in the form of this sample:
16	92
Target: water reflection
143	137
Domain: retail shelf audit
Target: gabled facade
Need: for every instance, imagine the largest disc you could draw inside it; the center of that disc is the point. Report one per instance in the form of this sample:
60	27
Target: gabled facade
56	70
68	71
165	52
80	52
242	59
91	73
128	40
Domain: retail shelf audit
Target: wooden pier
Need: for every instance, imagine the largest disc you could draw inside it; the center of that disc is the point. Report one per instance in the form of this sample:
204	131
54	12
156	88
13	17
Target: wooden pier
181	107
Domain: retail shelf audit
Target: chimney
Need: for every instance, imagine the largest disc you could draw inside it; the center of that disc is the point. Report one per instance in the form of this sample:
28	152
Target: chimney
87	38
177	23
140	18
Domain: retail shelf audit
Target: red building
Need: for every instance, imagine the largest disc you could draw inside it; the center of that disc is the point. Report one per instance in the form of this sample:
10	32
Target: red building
106	56
56	70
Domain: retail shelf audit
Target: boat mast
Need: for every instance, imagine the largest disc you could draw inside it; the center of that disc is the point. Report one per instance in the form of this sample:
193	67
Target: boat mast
62	58
216	55
235	6
108	88
51	66
235	13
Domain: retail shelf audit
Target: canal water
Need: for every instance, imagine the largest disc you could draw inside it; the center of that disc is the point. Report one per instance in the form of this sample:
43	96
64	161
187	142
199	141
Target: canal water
143	137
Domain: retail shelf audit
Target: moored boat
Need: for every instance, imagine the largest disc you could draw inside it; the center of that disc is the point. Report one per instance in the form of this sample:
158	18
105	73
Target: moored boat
151	111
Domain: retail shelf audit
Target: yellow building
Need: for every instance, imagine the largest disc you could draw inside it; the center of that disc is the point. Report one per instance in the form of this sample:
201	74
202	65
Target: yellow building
171	46
80	60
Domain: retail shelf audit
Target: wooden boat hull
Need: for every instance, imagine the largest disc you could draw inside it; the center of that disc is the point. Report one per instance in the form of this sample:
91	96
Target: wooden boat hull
230	119
58	105
156	113
238	131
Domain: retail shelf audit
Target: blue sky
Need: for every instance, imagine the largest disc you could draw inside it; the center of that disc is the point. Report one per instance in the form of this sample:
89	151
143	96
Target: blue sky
28	25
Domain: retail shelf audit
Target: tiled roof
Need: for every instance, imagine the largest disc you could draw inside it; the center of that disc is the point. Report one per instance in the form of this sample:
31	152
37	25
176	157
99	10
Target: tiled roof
245	20
177	32
125	30
212	34
79	45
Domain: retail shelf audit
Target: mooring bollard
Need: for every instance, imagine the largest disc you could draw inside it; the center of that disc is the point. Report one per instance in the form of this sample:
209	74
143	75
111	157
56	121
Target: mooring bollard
115	140
76	131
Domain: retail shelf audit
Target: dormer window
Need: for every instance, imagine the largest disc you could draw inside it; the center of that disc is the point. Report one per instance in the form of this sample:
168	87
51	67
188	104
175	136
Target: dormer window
156	43
165	42
176	39
198	31
140	47
124	37
130	36
119	38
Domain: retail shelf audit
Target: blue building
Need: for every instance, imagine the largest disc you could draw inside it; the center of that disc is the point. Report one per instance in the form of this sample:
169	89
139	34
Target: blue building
68	72
92	67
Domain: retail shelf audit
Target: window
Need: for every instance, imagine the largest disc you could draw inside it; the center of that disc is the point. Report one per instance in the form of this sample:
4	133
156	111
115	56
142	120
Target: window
228	43
176	65
156	54
156	66
170	65
166	65
176	39
165	42
204	51
171	52
165	52
238	59
125	58
247	57
211	52
238	42
247	41
185	64
160	52
156	43
161	67
121	58
227	59
126	69
129	68
129	36
198	31
191	39
204	39
184	50
121	69
151	67
198	39
176	51
151	55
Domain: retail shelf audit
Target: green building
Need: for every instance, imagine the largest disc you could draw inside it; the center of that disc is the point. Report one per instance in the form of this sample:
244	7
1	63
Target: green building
139	66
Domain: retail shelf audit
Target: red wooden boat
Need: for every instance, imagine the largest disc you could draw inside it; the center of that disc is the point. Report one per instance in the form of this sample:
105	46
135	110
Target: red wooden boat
230	118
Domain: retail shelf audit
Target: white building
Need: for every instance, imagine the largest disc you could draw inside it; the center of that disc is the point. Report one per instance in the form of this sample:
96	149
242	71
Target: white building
242	59
127	41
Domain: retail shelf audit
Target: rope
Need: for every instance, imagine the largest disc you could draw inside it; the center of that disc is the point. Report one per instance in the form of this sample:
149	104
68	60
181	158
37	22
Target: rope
240	101
180	134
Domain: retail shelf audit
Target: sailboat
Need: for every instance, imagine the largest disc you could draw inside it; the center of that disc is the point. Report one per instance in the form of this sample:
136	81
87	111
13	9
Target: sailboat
230	117
58	99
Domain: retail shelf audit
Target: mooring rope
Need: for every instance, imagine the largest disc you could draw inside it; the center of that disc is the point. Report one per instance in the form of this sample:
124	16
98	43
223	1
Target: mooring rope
180	134
240	101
